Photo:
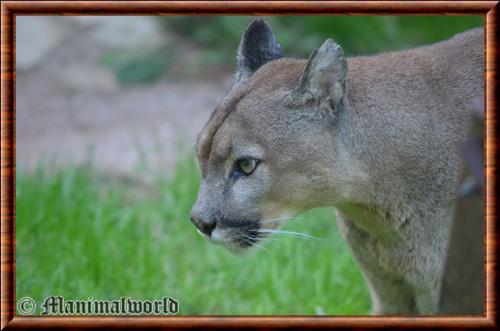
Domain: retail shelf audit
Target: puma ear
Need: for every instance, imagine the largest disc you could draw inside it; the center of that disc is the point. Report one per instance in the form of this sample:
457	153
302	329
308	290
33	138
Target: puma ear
324	77
257	47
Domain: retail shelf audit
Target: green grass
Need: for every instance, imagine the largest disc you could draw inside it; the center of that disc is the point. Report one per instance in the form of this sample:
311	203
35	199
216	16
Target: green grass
79	236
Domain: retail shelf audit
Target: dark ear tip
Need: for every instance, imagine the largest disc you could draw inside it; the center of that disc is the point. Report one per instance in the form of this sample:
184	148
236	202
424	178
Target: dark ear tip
257	47
258	22
258	25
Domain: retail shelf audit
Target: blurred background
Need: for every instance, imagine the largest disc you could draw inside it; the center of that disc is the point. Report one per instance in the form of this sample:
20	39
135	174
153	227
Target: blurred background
107	113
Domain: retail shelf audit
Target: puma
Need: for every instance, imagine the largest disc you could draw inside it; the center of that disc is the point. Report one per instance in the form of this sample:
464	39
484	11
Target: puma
376	137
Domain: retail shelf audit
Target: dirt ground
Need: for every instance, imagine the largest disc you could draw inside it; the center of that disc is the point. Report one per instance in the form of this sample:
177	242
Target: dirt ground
67	105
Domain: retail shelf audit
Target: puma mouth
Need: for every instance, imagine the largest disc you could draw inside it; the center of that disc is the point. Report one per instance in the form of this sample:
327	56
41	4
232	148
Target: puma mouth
235	237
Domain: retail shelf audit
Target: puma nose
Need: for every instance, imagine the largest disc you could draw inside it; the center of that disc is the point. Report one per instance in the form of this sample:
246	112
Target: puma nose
205	226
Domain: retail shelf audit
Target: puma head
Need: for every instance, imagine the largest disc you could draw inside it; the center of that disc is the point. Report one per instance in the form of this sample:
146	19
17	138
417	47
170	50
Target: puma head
266	152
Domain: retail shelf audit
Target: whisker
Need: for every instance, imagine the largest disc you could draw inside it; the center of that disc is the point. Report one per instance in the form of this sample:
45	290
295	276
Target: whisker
291	233
189	126
253	241
261	247
249	237
275	219
264	241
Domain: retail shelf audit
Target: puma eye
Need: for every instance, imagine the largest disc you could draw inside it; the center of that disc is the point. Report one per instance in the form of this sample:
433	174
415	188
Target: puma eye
246	165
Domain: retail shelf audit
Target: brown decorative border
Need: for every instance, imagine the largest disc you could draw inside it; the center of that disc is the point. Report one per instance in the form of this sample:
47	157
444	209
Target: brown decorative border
10	9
